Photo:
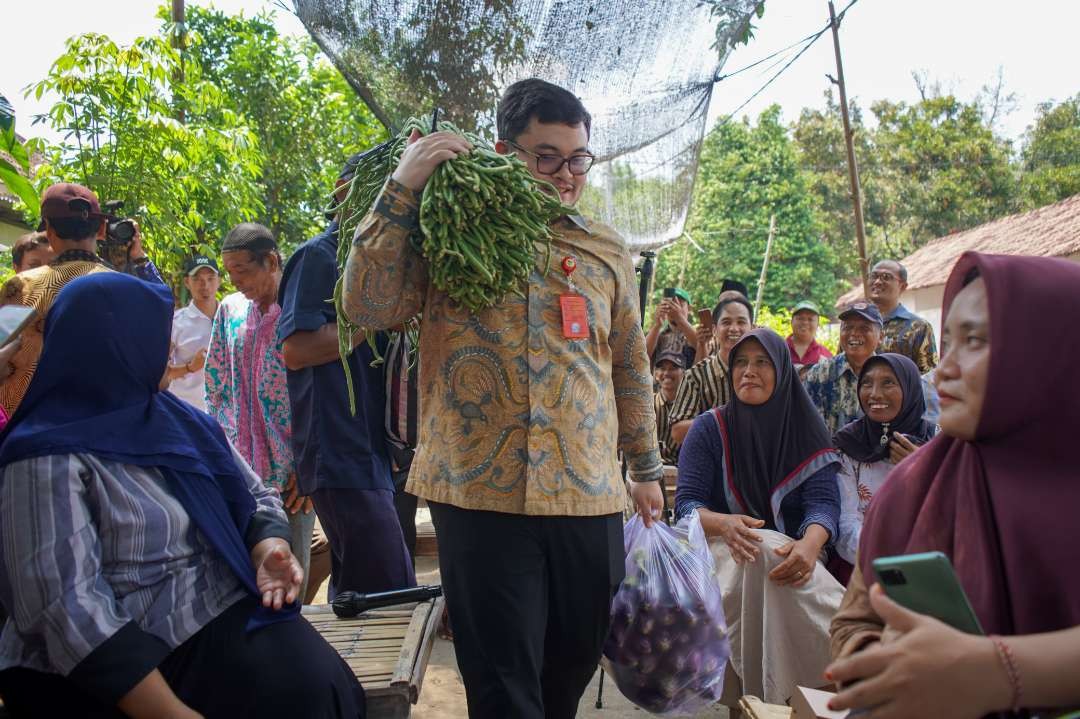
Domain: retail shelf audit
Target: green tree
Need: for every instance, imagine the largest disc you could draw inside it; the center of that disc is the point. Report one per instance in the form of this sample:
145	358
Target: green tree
186	182
943	170
1050	159
305	116
748	172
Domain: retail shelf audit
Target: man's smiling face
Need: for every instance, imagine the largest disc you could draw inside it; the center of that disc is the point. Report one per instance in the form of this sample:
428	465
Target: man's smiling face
552	138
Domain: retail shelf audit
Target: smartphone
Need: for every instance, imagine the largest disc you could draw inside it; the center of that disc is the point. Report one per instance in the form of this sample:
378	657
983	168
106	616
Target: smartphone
669	292
926	583
704	317
13	320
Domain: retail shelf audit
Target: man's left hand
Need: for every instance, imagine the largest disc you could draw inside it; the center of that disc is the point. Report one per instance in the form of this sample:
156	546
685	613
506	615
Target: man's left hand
278	574
930	669
648	500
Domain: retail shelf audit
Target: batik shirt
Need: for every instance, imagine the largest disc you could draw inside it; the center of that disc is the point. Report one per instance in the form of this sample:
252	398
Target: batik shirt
246	389
833	387
38	288
515	417
905	333
669	448
704	387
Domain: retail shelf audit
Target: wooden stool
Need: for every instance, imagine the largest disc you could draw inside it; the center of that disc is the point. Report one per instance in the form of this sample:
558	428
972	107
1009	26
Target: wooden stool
388	650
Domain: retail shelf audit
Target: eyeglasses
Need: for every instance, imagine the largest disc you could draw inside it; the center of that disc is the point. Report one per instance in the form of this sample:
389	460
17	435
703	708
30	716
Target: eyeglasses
883	276
552	164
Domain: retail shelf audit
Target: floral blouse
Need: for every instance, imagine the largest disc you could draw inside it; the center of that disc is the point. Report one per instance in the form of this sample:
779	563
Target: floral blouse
245	387
859	483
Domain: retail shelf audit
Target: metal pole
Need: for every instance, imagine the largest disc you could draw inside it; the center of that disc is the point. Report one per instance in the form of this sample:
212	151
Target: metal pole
646	282
853	168
765	264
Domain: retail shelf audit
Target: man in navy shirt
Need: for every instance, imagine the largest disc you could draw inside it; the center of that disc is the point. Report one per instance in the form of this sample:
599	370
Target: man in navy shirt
341	460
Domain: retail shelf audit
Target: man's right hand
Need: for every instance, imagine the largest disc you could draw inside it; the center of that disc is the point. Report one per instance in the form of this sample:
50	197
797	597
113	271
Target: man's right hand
424	153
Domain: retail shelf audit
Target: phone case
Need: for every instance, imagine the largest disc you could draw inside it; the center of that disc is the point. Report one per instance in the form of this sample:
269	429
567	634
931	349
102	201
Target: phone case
930	587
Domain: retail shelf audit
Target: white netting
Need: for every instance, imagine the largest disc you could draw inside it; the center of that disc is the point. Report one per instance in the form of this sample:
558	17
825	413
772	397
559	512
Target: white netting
644	69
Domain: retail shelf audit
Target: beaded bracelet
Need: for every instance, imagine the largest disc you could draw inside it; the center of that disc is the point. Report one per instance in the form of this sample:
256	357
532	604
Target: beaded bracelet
1008	661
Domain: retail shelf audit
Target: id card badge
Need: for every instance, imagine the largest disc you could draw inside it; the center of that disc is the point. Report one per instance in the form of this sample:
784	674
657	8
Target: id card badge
575	317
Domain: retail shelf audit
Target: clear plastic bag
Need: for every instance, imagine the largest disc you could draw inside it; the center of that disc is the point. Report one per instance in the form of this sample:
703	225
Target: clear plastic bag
667	648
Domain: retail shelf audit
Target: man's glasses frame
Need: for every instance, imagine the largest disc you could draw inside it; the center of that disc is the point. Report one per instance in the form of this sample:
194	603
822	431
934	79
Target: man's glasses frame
553	164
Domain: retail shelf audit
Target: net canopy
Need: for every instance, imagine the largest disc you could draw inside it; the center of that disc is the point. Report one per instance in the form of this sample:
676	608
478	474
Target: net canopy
644	69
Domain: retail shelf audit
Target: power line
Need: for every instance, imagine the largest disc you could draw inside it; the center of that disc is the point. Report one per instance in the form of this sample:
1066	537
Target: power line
752	65
809	40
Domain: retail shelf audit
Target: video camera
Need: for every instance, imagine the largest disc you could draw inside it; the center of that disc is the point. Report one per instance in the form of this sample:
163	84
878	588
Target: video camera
119	232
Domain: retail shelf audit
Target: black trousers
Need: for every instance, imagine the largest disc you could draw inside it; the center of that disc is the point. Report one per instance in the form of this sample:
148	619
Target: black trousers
405	504
281	670
367	551
529	600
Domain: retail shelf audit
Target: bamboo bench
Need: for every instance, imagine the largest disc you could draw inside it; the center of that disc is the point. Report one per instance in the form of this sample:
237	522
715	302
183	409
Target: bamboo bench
388	650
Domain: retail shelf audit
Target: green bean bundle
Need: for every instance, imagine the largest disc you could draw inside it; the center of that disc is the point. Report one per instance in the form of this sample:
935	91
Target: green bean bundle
482	217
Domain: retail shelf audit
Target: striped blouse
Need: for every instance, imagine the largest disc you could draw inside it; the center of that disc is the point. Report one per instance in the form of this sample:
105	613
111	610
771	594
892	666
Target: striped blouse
101	567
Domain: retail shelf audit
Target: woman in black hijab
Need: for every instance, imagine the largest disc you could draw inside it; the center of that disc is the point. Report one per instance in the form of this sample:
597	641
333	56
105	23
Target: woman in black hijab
760	472
892	401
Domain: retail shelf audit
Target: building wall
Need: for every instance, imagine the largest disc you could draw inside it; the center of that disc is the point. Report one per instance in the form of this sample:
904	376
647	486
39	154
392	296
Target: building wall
927	301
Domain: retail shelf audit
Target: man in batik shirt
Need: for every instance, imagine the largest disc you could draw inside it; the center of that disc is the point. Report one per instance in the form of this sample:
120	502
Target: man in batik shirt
903	332
833	383
520	419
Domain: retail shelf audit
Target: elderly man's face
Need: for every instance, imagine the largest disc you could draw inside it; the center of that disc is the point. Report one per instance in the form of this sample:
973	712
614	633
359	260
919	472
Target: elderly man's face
859	339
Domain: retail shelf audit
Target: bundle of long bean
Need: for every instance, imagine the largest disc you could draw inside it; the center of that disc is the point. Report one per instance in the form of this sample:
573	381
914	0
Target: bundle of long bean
481	218
361	190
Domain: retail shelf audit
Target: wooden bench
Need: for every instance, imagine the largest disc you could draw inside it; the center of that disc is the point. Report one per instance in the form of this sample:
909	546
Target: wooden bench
427	545
388	650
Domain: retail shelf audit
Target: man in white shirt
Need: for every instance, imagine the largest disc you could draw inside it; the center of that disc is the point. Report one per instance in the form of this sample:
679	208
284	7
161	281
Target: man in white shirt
191	331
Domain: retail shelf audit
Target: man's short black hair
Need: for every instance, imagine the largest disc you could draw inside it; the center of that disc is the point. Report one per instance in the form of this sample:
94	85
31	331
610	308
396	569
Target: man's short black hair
75	229
901	271
27	243
537	98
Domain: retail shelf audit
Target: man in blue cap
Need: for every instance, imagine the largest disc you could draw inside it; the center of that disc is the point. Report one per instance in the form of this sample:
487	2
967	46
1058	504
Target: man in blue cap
833	384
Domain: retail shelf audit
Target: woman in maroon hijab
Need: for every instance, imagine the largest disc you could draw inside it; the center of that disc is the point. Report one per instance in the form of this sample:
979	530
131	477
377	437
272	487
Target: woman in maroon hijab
997	492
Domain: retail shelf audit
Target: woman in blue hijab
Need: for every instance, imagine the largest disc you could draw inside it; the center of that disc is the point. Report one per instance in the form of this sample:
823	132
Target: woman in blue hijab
144	568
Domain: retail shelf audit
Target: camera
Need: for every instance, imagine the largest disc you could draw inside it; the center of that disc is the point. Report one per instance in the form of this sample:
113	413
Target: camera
892	577
669	292
119	232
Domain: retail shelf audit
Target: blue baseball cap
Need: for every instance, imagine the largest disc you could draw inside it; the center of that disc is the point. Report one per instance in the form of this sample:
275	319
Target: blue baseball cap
864	309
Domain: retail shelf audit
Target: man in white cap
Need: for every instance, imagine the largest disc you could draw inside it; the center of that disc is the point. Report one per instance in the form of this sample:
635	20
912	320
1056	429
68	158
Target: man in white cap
191	331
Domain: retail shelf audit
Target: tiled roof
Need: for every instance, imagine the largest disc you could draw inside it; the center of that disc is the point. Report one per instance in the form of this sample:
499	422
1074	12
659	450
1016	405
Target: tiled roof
1050	231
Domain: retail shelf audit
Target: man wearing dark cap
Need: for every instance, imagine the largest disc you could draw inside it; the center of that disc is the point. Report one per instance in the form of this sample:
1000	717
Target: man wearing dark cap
73	223
341	457
245	374
668	375
833	383
191	331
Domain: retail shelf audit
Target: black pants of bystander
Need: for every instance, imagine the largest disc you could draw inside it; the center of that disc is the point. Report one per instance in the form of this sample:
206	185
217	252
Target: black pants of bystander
284	670
529	599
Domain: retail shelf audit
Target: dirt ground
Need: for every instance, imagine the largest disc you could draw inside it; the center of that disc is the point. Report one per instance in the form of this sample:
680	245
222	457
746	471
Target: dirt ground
443	695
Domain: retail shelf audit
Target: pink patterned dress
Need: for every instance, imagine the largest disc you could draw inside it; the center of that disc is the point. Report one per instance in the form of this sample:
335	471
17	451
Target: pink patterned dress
245	387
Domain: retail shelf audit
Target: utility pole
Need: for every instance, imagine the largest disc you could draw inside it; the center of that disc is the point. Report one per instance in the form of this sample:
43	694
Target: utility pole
765	264
853	168
179	42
